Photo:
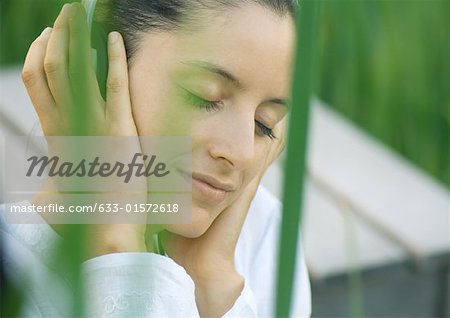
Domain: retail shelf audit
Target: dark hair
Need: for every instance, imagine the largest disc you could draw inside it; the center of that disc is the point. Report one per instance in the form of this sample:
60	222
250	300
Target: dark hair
132	18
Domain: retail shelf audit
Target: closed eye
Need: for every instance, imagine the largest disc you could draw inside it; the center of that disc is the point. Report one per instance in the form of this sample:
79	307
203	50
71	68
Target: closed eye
199	102
208	105
264	130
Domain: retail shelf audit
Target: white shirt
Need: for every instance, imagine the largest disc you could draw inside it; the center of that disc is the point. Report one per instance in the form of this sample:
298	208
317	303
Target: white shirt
148	284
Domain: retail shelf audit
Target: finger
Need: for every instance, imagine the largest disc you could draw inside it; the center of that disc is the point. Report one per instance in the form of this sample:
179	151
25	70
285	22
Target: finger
281	142
55	62
82	76
117	91
33	76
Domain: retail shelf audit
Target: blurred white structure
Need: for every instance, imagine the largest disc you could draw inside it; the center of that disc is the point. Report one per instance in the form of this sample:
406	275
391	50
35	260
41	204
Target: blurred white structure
365	205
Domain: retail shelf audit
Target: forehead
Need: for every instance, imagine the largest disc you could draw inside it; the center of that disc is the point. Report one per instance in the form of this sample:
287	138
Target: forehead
251	42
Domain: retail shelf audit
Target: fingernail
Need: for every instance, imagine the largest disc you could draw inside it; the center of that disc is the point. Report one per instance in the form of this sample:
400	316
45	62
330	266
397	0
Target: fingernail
46	32
73	11
66	9
113	37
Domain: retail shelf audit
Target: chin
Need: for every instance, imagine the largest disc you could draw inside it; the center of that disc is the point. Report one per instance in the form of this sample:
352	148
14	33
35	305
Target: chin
201	221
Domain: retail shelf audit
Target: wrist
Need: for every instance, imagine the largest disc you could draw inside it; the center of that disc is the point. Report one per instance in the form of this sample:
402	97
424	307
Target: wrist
205	272
108	241
216	296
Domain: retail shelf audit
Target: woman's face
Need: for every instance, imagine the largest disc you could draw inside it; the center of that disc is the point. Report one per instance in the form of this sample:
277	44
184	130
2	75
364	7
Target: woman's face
226	85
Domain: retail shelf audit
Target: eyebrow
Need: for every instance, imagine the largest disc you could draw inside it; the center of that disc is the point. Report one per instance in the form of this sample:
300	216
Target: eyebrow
216	69
280	101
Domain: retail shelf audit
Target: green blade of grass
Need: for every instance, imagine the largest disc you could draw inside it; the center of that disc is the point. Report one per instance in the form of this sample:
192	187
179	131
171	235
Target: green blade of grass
296	156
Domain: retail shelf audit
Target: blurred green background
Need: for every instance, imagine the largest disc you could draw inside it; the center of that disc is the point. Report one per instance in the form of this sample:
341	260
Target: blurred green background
383	64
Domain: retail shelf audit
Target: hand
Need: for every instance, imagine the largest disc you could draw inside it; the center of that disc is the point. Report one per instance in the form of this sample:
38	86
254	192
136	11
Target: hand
59	76
209	259
60	81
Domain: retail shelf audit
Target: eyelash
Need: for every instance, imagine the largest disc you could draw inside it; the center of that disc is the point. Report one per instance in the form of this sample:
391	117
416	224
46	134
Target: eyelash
215	105
202	103
265	130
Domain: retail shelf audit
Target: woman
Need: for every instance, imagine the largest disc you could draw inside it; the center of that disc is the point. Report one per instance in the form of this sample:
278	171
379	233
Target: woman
226	66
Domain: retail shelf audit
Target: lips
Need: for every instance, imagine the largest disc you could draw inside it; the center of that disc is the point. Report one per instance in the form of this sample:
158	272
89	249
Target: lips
209	188
227	187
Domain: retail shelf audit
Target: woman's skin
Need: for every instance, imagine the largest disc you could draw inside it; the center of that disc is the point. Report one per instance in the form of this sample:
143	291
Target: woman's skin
226	84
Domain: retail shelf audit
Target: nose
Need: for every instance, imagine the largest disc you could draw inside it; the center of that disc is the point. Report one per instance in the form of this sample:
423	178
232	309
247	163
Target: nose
234	141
